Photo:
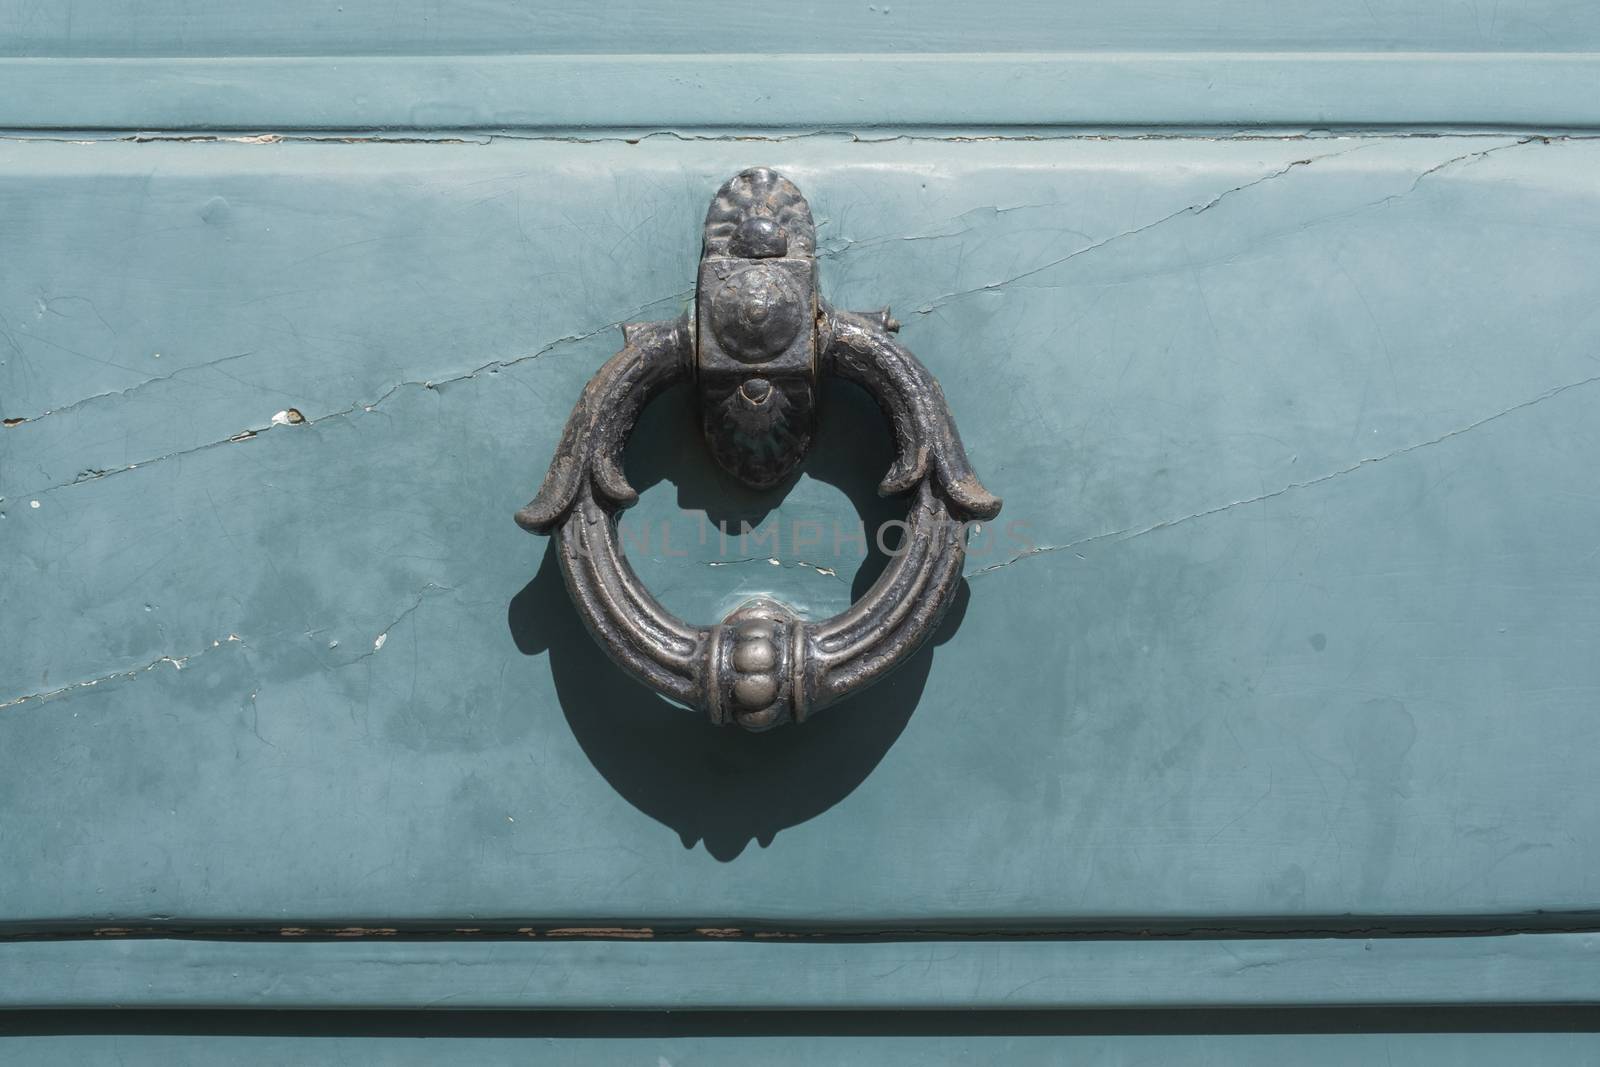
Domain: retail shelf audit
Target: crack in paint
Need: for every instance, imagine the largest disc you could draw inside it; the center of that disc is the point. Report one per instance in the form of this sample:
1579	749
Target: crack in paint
1472	157
497	365
249	433
1129	533
182	662
1189	210
252	432
177	662
383	638
115	393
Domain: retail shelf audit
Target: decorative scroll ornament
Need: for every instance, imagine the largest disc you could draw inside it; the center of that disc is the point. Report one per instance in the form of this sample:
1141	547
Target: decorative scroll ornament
758	343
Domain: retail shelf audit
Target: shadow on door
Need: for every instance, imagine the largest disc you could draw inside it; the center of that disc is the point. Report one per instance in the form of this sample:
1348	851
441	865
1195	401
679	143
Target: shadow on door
721	785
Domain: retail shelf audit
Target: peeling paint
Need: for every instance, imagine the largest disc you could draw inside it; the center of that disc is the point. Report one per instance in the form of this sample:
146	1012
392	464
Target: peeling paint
383	638
773	561
177	663
626	933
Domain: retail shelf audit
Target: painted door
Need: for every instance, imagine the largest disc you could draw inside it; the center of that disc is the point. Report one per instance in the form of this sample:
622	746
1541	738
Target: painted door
1271	690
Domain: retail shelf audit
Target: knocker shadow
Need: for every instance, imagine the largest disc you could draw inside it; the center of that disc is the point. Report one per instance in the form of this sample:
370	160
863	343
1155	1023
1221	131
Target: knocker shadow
722	785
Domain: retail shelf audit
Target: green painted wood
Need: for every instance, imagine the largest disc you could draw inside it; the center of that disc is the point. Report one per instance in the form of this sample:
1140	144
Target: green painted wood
173	64
174	28
1529	969
1296	623
1423	1050
642	94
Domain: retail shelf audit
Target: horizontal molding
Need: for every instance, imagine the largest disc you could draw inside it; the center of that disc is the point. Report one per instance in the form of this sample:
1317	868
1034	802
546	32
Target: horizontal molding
621	975
817	931
1546	90
501	27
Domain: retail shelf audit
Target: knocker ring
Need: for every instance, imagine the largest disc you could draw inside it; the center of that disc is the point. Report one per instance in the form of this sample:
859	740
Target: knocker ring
756	343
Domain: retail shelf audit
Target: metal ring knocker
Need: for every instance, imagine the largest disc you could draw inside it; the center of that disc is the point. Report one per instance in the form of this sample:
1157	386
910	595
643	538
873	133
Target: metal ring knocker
757	343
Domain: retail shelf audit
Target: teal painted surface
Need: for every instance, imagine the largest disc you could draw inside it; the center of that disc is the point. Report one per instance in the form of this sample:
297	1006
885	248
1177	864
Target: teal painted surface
828	64
1422	1050
682	94
1023	975
1301	429
180	28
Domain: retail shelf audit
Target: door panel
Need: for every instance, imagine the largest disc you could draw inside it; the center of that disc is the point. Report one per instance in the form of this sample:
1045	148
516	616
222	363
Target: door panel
1287	617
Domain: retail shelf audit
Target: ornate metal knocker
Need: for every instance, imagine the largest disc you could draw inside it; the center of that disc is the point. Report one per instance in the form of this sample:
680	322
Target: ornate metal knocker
757	341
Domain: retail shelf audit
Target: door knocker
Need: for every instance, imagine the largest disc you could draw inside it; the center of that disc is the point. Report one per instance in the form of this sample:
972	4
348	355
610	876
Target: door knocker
756	342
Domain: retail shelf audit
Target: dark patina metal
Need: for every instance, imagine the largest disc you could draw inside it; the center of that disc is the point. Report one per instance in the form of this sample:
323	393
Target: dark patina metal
757	343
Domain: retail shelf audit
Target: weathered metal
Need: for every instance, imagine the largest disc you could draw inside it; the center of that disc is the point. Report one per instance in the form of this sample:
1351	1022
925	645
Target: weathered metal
757	342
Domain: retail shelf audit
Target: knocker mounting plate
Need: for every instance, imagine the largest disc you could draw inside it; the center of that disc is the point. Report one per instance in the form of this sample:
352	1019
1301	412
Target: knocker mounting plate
757	343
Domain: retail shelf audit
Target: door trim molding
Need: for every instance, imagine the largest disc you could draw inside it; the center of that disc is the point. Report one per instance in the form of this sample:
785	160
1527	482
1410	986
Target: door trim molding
631	975
1549	90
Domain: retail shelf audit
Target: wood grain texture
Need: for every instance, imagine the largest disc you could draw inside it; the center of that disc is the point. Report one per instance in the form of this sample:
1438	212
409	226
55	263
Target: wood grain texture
1298	622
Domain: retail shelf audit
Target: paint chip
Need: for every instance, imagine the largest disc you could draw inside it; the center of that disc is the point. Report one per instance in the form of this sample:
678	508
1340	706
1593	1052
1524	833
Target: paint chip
288	417
378	644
